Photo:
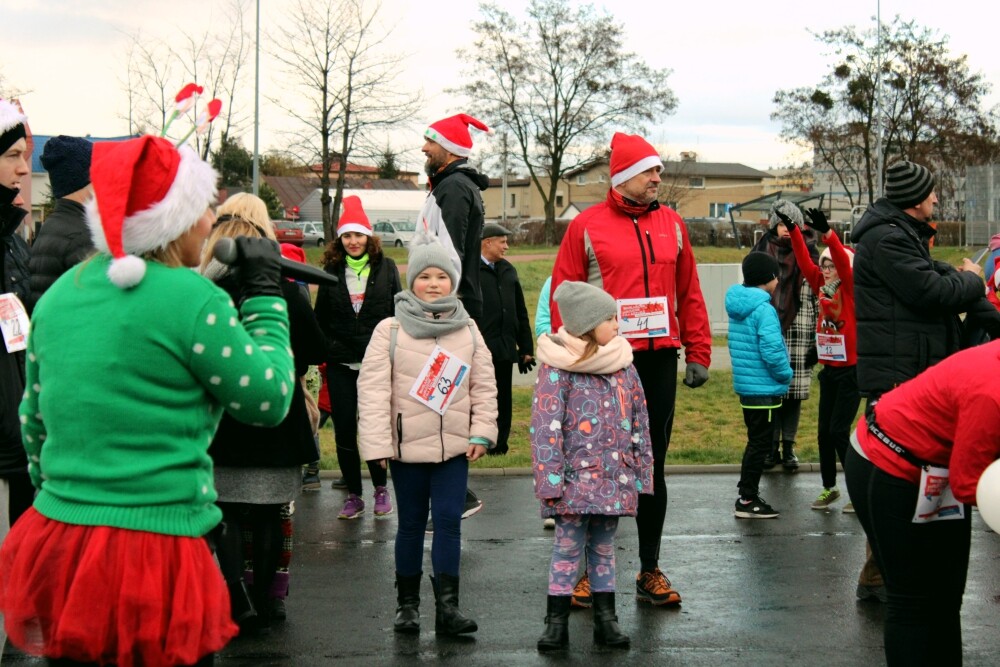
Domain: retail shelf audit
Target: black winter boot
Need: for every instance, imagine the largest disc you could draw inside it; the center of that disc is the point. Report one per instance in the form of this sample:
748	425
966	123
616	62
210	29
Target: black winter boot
789	461
408	598
449	620
773	457
242	608
556	635
606	630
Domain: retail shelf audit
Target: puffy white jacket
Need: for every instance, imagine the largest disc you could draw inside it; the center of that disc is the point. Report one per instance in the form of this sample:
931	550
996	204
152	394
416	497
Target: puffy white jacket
393	424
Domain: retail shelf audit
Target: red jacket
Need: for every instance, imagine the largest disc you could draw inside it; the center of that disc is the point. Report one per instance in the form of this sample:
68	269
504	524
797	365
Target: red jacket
945	416
836	312
648	256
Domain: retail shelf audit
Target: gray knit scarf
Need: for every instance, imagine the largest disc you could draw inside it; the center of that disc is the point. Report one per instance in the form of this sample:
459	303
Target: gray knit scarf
447	314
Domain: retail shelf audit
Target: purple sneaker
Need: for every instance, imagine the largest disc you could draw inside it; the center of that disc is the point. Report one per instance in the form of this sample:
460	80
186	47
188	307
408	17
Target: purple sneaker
354	507
383	505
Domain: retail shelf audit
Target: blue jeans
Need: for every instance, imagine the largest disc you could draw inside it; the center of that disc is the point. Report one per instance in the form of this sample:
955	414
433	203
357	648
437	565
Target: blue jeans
439	487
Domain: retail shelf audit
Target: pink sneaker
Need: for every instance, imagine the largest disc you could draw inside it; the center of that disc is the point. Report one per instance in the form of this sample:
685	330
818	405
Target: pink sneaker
354	507
383	505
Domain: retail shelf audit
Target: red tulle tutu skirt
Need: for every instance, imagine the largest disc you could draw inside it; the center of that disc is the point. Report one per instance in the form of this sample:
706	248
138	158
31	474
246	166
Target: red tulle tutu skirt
110	595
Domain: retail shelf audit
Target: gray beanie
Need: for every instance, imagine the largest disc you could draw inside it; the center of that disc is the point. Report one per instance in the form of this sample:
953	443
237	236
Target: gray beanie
786	207
426	252
907	184
583	306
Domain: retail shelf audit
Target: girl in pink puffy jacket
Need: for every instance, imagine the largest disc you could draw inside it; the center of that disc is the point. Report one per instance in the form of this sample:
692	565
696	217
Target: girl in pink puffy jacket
590	451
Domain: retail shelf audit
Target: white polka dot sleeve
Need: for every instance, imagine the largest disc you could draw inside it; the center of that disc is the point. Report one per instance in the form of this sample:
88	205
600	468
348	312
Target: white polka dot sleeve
246	364
32	426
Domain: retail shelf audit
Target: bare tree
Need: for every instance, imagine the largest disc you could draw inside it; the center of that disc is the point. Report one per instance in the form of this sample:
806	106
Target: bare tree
560	81
343	74
216	60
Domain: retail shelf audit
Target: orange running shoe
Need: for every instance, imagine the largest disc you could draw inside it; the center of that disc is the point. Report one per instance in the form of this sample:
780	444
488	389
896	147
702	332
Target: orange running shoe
582	598
655	588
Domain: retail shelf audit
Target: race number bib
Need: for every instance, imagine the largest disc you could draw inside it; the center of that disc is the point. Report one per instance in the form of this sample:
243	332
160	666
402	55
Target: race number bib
935	501
643	318
442	375
13	322
831	347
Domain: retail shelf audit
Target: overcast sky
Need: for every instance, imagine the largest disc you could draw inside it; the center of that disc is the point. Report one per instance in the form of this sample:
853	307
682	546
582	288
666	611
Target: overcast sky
728	58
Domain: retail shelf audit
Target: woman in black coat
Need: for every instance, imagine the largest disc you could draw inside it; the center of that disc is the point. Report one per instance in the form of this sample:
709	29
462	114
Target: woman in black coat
257	469
348	313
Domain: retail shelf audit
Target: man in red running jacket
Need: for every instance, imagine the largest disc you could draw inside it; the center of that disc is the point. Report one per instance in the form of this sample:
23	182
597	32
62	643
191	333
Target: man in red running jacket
638	251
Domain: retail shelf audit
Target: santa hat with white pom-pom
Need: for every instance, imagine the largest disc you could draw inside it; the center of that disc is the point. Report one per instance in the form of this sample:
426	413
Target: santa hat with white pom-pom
452	133
147	193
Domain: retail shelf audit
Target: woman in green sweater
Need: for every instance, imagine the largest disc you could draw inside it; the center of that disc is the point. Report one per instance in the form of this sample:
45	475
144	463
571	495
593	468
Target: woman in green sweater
132	358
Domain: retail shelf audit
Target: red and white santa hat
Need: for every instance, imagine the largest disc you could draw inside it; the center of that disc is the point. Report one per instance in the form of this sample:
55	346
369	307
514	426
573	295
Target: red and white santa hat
353	219
147	193
452	133
12	124
631	155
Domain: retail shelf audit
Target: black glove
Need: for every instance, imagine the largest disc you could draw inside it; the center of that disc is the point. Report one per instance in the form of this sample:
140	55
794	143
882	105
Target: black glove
816	219
695	375
259	273
524	367
785	220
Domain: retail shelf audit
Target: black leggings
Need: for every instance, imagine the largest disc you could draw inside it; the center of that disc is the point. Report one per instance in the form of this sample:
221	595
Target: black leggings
924	566
838	406
658	373
264	522
342	383
786	421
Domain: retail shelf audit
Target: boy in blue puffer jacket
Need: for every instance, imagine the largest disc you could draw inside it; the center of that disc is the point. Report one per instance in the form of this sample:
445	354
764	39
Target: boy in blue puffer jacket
761	372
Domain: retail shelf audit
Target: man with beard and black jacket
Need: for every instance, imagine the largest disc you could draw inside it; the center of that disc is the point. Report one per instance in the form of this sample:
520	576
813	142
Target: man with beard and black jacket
453	212
64	238
907	304
16	491
504	323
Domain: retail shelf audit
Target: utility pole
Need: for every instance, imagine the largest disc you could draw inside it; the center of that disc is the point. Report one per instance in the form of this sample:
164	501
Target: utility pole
503	186
256	109
879	158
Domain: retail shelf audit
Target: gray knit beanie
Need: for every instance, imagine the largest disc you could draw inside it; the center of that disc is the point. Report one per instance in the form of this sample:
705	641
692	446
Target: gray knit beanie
786	207
583	306
907	184
426	252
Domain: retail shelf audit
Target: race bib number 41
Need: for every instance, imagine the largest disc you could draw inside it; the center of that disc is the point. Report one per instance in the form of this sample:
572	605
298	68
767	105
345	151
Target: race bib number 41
643	318
441	376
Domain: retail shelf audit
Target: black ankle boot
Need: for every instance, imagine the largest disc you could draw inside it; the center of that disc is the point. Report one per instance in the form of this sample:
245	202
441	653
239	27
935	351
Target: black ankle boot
556	635
241	607
606	630
789	461
449	620
772	457
408	598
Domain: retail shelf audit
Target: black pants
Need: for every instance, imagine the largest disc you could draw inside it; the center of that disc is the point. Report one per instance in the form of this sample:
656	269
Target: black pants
264	522
658	373
21	495
785	421
924	566
342	383
759	428
838	406
503	371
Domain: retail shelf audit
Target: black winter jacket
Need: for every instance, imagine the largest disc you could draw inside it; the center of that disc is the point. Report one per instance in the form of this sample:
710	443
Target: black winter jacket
456	190
290	443
14	274
347	333
62	241
504	322
907	304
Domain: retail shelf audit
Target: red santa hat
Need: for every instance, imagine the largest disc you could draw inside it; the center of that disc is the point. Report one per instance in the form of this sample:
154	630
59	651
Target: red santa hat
631	155
147	193
452	133
353	219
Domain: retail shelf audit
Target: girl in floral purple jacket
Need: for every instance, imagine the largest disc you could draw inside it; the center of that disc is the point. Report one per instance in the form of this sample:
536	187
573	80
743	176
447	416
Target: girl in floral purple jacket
590	452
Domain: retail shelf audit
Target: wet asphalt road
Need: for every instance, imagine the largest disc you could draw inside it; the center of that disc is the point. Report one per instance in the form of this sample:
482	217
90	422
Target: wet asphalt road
764	592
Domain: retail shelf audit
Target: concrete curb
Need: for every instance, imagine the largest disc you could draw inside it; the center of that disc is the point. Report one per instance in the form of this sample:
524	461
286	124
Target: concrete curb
726	468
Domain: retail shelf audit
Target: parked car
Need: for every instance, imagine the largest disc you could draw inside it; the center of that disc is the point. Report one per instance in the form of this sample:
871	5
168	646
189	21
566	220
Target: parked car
396	234
312	232
288	232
